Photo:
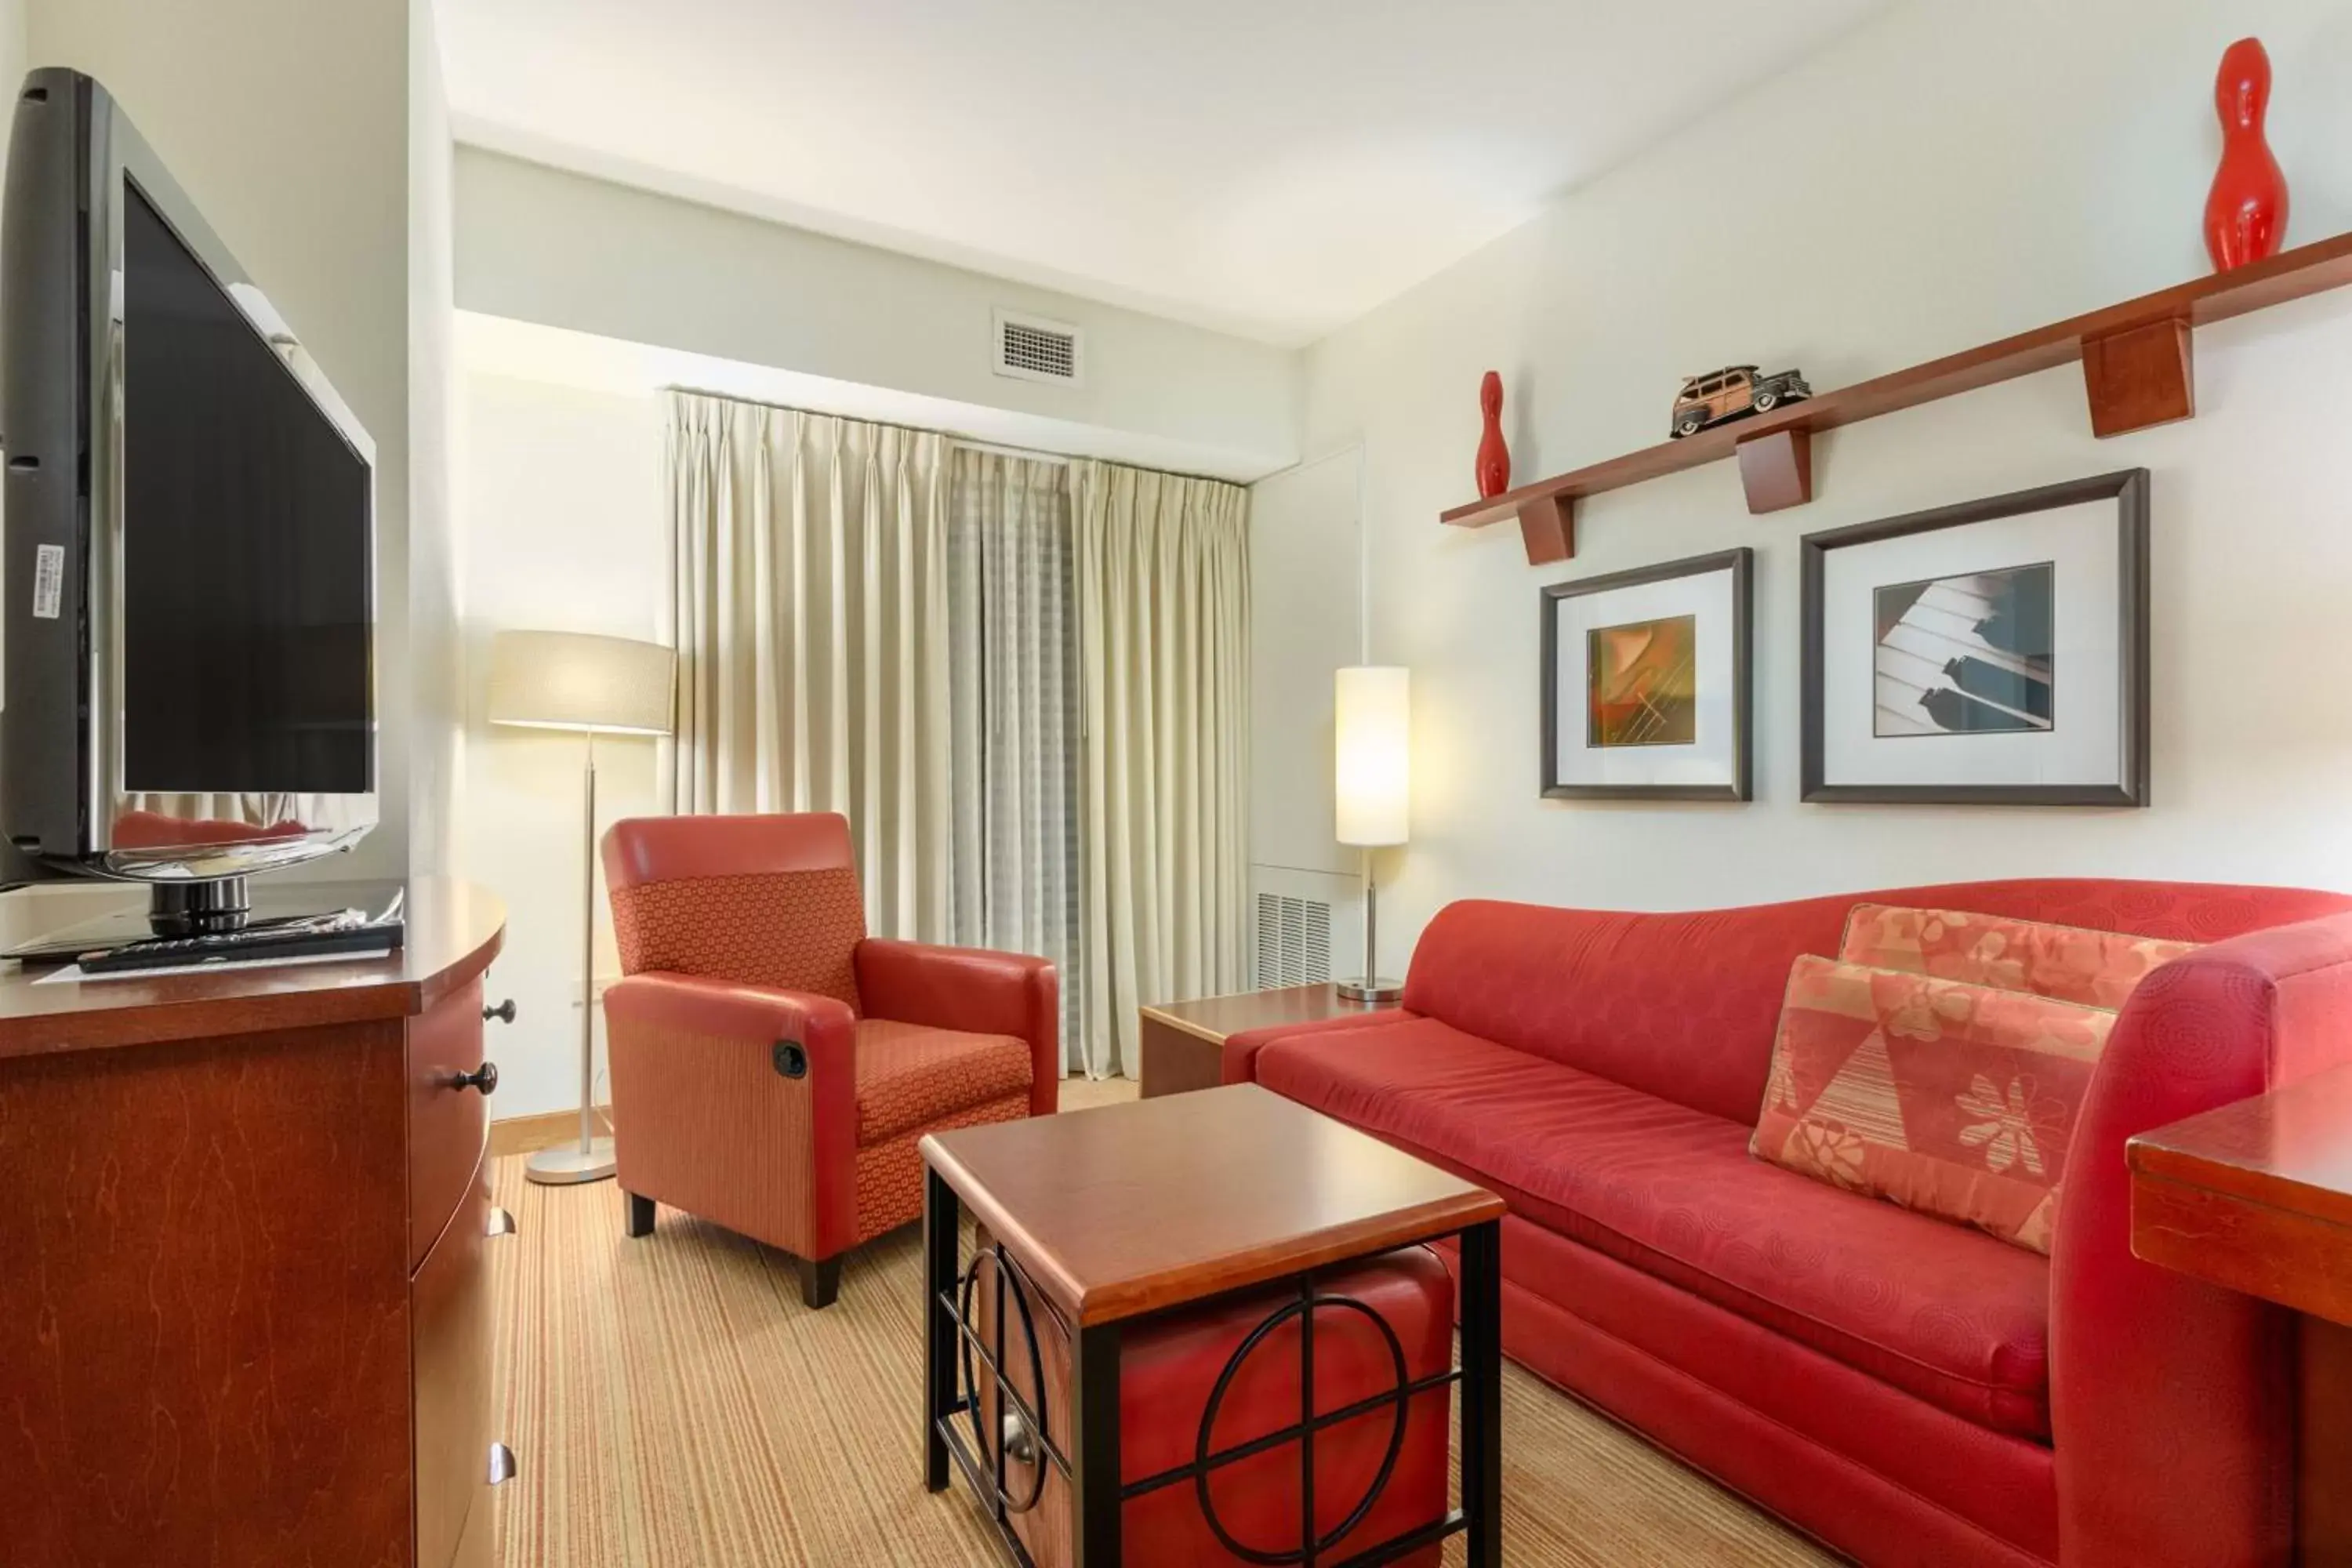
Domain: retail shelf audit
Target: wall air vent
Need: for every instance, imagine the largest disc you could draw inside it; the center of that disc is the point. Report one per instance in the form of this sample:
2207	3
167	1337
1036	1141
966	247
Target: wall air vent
1294	941
1031	347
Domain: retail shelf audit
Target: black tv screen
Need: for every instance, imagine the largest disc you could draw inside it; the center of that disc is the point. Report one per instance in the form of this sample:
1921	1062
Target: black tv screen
245	556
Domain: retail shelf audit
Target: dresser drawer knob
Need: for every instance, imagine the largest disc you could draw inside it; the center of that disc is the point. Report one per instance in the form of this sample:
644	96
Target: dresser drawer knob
502	1464
503	1011
484	1078
501	1223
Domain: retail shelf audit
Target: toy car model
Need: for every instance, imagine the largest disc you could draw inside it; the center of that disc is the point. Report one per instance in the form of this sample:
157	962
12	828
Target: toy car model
1733	392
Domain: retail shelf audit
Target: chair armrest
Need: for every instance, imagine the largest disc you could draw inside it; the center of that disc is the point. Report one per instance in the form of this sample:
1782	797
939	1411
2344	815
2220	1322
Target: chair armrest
2170	1398
714	1116
1242	1045
972	989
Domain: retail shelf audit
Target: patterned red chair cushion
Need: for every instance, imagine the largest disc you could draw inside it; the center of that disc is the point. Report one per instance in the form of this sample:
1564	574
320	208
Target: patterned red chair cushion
910	1076
2093	968
1951	1099
794	930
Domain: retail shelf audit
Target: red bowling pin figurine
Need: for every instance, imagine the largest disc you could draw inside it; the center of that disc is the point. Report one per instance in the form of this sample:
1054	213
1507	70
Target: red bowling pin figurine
2245	216
1494	457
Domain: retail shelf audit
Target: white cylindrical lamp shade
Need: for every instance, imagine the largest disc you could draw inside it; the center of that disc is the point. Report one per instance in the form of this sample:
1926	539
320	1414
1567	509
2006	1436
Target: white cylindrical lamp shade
573	680
1372	714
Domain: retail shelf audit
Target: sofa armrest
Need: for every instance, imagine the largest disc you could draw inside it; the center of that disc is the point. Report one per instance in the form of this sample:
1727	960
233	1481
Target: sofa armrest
1242	1048
975	990
2171	1400
716	1116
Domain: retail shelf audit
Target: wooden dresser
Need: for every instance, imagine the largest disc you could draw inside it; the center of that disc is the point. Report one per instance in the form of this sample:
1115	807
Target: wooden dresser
243	1304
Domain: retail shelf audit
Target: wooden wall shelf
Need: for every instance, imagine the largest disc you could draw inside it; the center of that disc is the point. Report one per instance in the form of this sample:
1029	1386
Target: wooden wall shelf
2138	369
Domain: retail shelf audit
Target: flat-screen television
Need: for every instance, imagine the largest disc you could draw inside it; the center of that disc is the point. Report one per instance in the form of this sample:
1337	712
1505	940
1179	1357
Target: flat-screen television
188	568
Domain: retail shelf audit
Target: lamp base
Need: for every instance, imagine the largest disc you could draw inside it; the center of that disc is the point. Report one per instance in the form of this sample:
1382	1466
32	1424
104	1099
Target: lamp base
1373	989
570	1167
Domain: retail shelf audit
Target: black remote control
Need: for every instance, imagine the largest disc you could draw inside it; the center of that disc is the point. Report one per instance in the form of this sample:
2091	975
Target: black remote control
233	947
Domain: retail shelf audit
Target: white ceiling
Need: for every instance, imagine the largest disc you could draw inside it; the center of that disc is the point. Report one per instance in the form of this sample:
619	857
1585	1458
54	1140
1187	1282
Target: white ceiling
1272	167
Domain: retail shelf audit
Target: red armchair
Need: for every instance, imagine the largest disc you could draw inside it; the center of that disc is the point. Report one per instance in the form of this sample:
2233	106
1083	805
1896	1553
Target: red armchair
773	1067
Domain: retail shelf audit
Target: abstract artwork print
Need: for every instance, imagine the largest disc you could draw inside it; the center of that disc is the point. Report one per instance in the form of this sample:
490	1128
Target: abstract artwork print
1641	683
1966	655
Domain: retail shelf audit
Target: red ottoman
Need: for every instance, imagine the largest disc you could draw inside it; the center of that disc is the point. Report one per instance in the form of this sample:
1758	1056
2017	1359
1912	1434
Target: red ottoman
1380	1325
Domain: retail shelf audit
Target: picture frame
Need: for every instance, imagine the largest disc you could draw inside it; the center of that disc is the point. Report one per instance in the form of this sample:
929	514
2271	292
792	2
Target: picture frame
1648	682
1990	653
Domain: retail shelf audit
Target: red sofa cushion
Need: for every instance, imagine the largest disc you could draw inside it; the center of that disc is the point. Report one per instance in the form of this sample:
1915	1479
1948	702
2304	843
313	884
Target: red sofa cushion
1955	1100
2068	963
1948	1314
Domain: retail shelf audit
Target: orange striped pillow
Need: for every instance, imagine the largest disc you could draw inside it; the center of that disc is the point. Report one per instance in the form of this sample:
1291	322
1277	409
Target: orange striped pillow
2091	968
1955	1100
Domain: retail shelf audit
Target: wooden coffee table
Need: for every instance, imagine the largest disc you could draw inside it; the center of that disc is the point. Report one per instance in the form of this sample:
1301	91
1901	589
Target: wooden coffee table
1119	1214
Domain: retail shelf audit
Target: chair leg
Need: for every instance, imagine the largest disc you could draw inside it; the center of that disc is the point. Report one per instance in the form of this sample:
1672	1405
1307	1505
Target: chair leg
640	1220
819	1281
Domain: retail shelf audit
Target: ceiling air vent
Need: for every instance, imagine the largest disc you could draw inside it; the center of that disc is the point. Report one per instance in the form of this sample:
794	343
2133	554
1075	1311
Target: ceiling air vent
1031	347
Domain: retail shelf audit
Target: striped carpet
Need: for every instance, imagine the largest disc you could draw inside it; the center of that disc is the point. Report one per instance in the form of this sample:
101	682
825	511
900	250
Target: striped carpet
675	1406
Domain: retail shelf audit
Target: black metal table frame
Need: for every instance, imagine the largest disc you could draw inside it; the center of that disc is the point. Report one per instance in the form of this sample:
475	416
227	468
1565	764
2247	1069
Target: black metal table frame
1090	1463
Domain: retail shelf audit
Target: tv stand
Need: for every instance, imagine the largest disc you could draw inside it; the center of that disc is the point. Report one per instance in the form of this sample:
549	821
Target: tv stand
269	1340
197	908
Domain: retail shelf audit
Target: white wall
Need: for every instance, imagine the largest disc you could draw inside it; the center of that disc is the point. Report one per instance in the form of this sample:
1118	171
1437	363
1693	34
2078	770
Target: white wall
560	506
538	245
1306	547
1945	176
435	697
287	122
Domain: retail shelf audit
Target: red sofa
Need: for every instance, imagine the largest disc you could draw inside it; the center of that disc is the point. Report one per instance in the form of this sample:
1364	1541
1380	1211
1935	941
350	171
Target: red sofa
1906	1390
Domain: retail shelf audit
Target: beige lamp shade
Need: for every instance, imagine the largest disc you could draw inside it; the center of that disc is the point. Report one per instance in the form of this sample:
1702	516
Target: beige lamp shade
1373	712
571	680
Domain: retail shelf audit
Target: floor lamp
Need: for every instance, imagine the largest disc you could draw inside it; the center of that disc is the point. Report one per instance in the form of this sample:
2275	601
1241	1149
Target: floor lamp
596	686
1372	768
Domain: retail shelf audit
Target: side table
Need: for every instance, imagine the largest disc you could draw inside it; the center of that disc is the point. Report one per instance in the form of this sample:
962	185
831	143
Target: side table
1185	1044
1100	1229
2257	1197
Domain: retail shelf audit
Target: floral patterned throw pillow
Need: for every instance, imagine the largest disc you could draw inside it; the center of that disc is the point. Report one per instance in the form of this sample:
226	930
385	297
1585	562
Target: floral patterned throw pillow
2094	968
1952	1098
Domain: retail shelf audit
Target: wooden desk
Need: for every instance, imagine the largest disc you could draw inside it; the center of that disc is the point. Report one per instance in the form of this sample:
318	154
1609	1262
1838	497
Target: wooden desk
2257	1196
1184	1042
244	1310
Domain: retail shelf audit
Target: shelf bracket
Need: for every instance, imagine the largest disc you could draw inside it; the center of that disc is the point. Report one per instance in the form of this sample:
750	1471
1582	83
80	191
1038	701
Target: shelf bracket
1548	529
1777	469
2141	376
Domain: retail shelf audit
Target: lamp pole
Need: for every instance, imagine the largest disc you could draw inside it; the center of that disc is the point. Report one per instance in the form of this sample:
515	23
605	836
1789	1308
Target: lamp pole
1372	766
592	1161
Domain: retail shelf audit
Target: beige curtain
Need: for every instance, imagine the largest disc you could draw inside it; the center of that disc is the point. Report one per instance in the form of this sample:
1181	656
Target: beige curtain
1164	617
812	636
1012	865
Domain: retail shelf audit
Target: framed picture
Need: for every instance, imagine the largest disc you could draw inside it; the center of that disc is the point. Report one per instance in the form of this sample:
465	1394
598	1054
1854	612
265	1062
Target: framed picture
1646	682
1988	654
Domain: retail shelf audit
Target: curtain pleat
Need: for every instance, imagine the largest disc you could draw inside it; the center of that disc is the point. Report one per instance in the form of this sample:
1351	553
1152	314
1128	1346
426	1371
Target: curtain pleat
1163	566
812	648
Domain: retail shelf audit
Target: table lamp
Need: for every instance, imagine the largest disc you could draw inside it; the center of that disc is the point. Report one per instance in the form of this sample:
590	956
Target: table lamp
1373	711
595	685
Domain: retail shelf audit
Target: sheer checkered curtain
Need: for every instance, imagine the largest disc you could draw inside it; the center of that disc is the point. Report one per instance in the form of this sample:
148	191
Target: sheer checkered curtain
1012	866
812	617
